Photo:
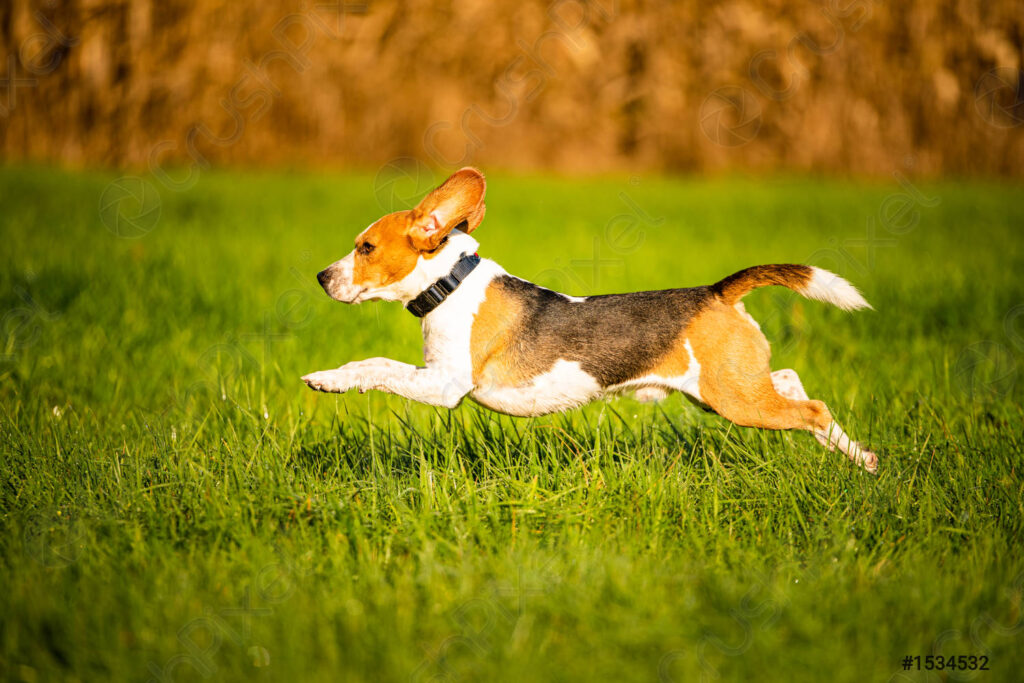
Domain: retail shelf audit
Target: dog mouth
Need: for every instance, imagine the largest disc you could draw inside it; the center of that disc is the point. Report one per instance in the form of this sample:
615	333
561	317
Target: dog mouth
354	299
338	293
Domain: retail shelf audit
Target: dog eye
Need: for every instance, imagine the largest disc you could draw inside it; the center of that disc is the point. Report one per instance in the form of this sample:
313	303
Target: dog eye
365	248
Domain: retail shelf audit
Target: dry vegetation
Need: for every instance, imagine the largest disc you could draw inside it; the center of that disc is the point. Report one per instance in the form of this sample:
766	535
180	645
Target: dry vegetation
849	86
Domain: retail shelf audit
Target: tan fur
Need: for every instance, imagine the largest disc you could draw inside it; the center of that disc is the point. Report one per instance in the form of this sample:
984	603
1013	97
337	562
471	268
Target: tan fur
735	379
393	256
493	334
676	361
400	238
732	288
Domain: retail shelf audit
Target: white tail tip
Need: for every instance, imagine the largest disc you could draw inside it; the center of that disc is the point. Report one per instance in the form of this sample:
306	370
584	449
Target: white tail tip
830	288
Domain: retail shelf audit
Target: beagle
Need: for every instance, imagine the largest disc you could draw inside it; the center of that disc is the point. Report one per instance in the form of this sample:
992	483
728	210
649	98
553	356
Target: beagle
523	350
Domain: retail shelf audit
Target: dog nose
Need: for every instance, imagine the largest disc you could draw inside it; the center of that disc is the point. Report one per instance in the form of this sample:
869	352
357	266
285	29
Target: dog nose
322	277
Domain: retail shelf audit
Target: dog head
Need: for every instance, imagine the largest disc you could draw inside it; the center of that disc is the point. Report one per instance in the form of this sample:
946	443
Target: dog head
403	253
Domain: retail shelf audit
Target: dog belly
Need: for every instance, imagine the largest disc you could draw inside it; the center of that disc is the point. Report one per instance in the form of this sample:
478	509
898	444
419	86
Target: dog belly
650	394
563	387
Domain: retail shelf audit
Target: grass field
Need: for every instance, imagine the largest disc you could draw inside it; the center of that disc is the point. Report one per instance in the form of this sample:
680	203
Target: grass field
177	505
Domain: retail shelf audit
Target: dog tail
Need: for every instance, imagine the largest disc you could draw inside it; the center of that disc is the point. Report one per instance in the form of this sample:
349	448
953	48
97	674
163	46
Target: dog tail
811	282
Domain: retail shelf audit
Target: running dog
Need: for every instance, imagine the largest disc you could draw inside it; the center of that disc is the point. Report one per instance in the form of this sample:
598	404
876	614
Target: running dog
524	350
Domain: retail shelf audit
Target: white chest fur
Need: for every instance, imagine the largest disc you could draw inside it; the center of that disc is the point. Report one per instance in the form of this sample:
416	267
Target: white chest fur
448	328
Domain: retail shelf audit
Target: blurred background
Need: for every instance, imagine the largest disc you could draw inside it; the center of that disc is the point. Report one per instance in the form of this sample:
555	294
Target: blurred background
852	87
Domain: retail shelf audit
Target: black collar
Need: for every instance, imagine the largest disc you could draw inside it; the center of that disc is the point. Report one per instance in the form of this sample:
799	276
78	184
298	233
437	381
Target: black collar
436	293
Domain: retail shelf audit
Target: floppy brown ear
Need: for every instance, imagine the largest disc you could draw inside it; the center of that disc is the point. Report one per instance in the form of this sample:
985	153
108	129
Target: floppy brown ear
457	203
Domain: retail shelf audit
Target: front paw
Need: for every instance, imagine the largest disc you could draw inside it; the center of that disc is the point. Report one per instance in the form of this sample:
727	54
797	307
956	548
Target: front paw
332	381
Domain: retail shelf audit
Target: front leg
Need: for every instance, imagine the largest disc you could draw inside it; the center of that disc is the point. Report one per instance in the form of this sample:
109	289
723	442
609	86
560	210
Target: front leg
433	386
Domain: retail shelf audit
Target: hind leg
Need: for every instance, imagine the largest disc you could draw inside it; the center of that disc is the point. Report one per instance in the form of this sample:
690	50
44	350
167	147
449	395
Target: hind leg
787	384
735	380
762	406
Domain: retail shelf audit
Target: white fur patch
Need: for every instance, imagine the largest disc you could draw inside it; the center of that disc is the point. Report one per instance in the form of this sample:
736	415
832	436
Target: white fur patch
448	328
564	386
650	394
691	380
830	288
787	383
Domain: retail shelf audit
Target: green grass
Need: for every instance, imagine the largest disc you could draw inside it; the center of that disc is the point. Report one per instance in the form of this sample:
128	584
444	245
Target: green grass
176	505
